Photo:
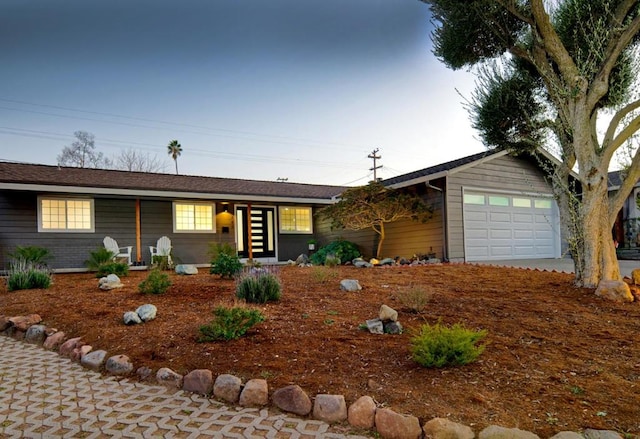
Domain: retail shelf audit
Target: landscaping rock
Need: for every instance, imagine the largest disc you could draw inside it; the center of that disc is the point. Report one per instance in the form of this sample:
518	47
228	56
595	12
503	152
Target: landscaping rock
362	264
66	348
147	312
131	318
54	341
330	408
616	291
80	352
292	399
169	378
109	282
375	326
388	314
391	425
635	276
144	372
5	323
567	435
94	360
35	334
392	328
198	381
387	261
362	413
440	428
303	259
496	432
255	393
227	387
186	269
350	285
119	365
601	434
22	323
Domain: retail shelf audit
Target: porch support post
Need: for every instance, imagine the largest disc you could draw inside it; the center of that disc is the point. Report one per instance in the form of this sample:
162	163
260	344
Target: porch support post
138	232
249	221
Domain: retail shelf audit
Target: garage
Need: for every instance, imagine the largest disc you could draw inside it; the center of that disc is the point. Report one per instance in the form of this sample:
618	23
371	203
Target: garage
501	226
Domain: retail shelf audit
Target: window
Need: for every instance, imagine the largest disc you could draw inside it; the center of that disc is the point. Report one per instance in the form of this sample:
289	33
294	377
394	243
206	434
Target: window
521	202
193	217
496	200
542	204
296	220
473	199
65	215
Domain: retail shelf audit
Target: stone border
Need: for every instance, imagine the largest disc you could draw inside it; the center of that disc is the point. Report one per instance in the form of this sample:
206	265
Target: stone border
362	414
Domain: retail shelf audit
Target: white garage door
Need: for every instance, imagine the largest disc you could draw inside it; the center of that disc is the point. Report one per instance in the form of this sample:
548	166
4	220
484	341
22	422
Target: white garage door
505	226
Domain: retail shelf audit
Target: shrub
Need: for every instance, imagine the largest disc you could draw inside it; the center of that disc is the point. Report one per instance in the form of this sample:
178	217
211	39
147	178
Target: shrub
36	255
414	298
343	250
118	268
101	260
258	285
229	323
322	274
161	262
226	265
332	261
218	248
440	346
24	275
155	283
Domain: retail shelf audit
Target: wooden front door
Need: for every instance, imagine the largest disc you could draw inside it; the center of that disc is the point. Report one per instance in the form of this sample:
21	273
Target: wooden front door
256	233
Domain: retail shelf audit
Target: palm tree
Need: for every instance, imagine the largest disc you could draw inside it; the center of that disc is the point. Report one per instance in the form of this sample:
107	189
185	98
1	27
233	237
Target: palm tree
174	149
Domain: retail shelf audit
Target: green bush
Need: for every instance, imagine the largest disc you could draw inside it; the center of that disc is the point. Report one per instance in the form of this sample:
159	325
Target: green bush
36	255
229	323
118	268
25	275
101	261
226	265
258	285
155	283
341	249
161	262
332	261
441	346
218	248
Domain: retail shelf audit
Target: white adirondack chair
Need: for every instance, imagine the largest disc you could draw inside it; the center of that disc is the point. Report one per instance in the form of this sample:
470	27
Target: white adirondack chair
119	252
162	248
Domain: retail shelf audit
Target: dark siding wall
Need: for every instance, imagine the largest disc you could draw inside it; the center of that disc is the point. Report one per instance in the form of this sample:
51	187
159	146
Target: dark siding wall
292	246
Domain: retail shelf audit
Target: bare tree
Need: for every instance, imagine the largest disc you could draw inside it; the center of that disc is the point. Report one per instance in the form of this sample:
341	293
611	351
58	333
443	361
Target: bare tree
82	153
136	161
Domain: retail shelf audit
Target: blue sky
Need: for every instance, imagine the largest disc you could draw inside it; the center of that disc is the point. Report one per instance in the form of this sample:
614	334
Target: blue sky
296	89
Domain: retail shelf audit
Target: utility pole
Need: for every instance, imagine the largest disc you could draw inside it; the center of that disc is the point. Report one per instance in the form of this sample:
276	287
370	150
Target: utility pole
375	168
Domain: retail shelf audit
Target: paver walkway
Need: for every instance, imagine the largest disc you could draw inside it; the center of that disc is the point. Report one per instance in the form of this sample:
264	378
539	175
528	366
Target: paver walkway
44	395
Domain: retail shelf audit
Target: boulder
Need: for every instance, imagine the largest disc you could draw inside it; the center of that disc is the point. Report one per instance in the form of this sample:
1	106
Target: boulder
5	323
131	318
94	360
350	285
388	314
330	408
22	323
119	365
144	372
109	282
590	433
496	432
147	312
169	378
387	261
374	261
198	381
79	352
440	428
392	425
616	291
255	393
362	413
292	399
392	328
360	263
54	340
303	259
227	387
186	269
567	435
66	348
375	326
35	334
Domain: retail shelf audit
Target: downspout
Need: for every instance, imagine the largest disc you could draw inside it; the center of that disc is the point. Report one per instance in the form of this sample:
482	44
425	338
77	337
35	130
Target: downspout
445	256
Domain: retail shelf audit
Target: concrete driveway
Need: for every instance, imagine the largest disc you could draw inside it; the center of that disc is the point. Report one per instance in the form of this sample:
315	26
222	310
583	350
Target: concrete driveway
561	264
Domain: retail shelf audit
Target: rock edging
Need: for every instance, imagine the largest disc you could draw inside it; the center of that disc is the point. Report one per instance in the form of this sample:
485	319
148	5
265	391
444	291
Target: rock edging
363	413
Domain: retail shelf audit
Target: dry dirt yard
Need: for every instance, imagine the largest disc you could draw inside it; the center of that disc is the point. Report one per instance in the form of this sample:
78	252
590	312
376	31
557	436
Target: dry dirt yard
558	358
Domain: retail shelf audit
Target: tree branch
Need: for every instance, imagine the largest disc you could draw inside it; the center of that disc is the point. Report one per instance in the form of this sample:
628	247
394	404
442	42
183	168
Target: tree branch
622	137
615	121
617	200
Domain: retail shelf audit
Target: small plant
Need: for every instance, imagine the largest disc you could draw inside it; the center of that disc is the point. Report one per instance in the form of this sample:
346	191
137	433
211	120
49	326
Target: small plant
161	262
155	283
322	274
25	275
441	346
218	248
576	390
118	268
227	266
229	323
343	250
258	285
415	298
39	256
98	257
332	261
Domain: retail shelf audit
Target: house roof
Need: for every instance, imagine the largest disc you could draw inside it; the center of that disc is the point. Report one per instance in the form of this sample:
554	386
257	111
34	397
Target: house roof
100	181
437	171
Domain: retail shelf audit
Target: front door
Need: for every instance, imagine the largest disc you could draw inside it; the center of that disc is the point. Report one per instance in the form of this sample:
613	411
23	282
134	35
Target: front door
256	232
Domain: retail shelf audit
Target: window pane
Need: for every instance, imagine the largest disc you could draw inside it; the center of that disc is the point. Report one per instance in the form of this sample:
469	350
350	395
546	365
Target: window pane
66	215
78	214
521	202
184	217
203	217
495	200
542	204
53	214
191	217
295	219
473	199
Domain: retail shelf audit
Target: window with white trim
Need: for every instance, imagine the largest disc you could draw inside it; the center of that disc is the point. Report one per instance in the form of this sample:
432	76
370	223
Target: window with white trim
71	215
295	219
193	217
